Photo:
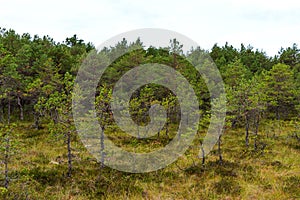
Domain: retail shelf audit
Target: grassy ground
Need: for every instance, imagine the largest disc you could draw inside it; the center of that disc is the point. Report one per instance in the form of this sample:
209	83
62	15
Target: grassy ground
271	172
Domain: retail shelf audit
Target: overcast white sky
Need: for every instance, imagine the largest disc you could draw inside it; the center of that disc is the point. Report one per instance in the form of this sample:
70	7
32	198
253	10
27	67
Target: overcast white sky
266	25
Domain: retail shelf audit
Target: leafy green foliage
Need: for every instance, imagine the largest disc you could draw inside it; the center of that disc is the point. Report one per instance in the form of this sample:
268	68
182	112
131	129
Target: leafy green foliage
36	83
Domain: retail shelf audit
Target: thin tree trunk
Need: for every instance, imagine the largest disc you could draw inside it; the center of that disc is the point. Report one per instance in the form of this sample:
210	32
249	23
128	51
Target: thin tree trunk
102	147
203	155
36	120
138	129
256	119
8	110
21	108
2	111
6	160
219	150
56	116
277	113
278	121
233	122
247	129
167	121
69	154
167	128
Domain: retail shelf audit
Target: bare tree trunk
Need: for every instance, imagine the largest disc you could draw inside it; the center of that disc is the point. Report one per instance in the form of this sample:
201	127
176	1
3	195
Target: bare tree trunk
36	123
233	122
277	113
256	120
203	155
21	108
167	121
167	128
219	150
102	148
138	130
247	130
8	109
54	116
69	154
6	160
278	121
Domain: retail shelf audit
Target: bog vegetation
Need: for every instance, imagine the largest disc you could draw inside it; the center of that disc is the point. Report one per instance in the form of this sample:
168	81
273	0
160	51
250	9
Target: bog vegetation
257	156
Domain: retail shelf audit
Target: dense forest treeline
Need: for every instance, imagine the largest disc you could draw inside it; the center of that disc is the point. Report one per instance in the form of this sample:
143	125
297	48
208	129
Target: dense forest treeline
34	68
37	77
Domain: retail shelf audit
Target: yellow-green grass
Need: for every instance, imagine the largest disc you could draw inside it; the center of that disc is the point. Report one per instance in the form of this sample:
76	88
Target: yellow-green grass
270	172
